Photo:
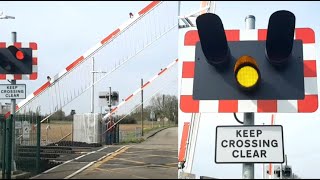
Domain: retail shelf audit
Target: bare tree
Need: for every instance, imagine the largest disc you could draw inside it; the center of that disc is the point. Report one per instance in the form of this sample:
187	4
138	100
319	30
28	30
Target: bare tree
165	106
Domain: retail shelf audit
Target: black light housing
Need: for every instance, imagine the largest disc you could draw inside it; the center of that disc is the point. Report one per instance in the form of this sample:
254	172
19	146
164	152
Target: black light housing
213	39
280	37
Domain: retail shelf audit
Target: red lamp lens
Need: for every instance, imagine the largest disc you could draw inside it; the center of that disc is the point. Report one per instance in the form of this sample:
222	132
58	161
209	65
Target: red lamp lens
19	55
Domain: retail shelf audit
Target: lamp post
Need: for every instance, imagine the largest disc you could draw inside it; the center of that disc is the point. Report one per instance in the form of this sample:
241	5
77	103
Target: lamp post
92	88
4	16
10	163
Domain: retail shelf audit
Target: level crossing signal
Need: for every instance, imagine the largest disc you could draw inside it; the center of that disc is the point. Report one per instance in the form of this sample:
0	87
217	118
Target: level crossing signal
252	70
15	60
271	69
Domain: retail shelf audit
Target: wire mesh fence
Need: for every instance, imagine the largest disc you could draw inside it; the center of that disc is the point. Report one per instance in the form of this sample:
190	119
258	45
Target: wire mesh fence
132	133
25	143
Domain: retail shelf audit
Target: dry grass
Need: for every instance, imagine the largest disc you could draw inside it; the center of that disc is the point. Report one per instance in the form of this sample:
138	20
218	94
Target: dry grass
51	132
132	127
55	131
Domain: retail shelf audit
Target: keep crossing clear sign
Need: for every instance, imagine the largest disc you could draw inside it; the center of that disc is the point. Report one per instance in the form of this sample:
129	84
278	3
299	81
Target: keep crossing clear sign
249	144
12	91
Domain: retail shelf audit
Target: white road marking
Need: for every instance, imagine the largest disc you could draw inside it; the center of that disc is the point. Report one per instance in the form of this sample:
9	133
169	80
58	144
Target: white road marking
91	163
80	170
69	162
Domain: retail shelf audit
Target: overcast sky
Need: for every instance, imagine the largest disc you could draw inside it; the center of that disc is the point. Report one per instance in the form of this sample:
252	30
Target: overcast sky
301	131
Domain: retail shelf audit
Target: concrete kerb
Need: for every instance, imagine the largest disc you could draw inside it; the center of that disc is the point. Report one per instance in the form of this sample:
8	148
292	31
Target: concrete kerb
154	133
20	175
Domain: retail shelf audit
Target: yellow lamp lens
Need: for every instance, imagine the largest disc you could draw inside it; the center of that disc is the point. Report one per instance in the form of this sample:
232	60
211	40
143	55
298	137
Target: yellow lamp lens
247	76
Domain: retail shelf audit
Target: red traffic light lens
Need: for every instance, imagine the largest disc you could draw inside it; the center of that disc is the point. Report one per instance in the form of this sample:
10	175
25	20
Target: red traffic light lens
19	55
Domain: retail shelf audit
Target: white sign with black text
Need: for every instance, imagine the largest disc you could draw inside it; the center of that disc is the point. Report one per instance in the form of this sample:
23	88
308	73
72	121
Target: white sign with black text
26	130
249	144
16	91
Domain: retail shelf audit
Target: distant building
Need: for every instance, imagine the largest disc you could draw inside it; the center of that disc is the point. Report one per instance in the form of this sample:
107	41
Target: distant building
4	108
165	119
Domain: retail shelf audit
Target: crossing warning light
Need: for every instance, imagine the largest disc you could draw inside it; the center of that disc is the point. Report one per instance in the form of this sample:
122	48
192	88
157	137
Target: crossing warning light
104	98
260	70
213	39
246	72
280	37
16	52
248	64
15	60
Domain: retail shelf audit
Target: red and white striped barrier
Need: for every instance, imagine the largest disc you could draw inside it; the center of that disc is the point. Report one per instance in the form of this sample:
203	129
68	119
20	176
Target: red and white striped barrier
140	89
184	140
90	52
187	57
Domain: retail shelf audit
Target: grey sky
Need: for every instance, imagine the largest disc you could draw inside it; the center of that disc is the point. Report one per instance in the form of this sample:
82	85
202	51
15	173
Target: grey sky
300	130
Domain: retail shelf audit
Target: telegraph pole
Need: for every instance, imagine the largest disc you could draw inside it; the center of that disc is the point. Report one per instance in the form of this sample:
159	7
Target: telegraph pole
248	168
141	108
163	110
110	101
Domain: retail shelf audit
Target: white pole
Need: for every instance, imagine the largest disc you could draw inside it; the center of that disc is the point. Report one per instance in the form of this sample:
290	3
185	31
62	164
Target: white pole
248	168
13	111
92	88
212	7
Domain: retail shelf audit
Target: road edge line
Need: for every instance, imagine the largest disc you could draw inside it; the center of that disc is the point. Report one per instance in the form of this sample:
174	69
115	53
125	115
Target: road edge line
45	172
80	170
93	162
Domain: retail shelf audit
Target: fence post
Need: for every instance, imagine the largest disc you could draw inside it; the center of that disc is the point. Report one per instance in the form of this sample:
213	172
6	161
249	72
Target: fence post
38	144
3	157
9	147
118	133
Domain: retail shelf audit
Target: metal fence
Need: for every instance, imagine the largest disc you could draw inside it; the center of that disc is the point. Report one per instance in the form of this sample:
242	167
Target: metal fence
132	133
25	144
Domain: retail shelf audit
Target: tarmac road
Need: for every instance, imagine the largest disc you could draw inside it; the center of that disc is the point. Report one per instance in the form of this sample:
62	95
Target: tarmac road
155	158
76	162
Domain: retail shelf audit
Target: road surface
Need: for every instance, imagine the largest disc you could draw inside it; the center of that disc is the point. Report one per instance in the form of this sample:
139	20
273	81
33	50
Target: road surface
155	158
74	163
